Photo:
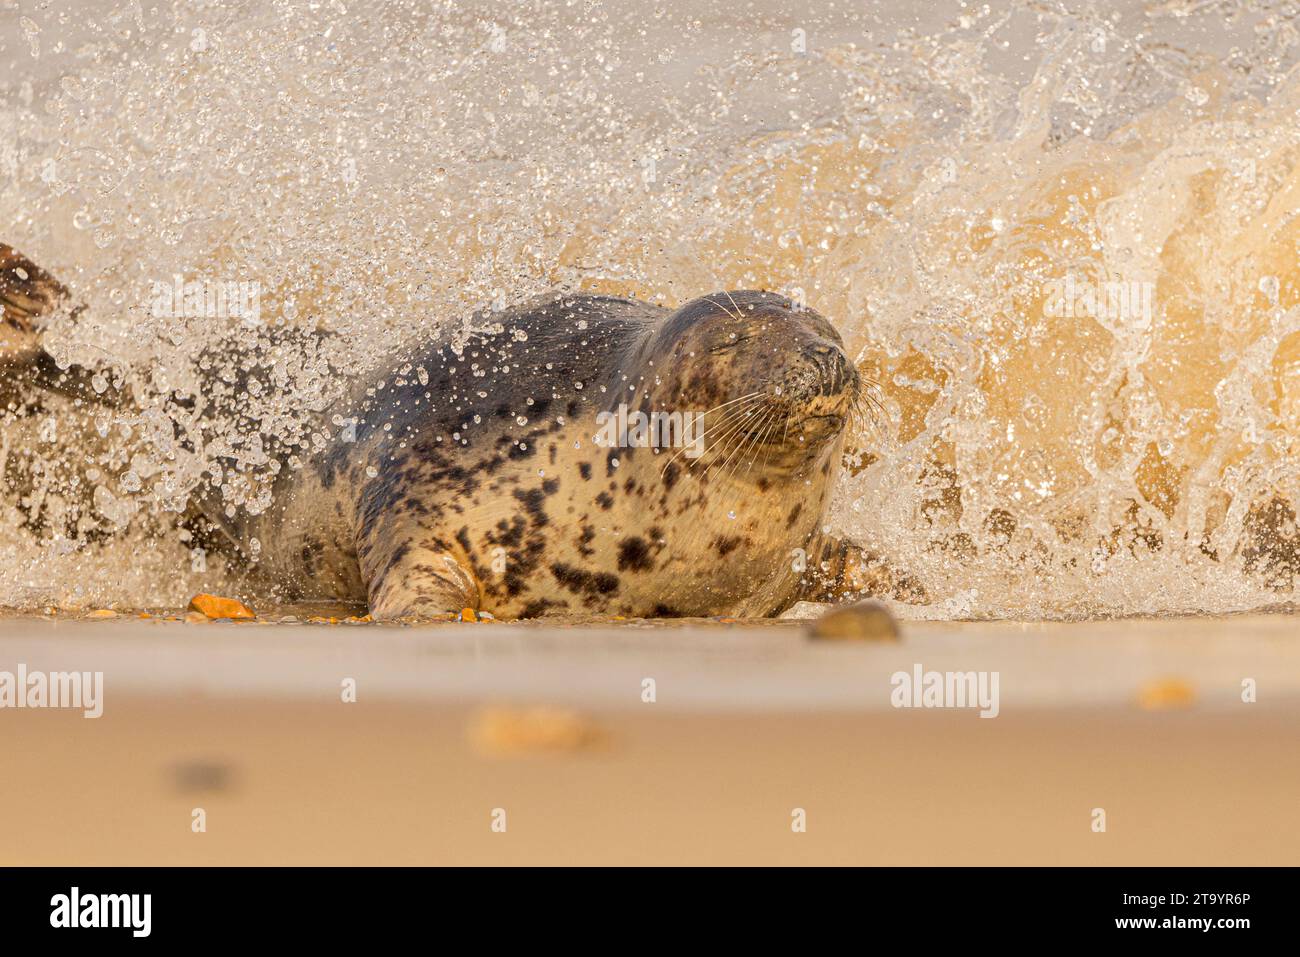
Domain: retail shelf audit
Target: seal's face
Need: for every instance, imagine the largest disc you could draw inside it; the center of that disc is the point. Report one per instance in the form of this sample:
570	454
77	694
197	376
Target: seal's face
772	379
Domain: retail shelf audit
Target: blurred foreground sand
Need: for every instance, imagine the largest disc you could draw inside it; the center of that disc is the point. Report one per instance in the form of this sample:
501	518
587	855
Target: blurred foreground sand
750	723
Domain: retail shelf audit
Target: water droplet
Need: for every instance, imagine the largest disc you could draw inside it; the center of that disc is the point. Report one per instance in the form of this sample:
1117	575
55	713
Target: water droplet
1270	287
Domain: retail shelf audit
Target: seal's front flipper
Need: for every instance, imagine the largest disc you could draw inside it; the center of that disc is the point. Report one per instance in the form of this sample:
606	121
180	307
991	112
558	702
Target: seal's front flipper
852	573
404	580
28	297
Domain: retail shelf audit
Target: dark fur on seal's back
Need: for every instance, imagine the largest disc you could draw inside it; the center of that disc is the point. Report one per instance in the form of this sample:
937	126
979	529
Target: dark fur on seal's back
466	474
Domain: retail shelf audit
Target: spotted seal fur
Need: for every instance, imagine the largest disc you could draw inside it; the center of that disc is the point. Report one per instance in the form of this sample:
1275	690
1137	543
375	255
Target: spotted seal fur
472	475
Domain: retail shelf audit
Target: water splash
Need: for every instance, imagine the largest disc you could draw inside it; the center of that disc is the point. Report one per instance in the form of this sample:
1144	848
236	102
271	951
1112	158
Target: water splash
1061	237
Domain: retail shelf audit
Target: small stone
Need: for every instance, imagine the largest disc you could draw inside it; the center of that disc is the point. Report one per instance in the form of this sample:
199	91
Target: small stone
467	614
102	613
196	618
1166	694
201	776
861	621
503	730
213	606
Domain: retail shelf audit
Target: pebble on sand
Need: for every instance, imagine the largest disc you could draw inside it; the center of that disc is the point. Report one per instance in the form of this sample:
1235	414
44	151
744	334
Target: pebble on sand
504	731
861	621
1166	694
213	606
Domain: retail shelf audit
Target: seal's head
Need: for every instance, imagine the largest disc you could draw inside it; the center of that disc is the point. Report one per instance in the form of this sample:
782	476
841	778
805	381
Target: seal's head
771	377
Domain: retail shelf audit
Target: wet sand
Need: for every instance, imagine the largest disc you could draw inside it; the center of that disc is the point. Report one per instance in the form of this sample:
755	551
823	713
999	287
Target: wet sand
1141	718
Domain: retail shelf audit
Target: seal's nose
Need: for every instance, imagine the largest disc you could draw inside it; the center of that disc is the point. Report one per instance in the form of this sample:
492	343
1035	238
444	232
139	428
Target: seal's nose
835	370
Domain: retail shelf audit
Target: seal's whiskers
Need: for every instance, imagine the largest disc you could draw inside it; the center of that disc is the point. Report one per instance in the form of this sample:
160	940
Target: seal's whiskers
733	428
729	419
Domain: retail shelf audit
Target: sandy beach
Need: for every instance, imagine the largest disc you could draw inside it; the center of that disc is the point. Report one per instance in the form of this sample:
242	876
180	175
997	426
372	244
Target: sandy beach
453	724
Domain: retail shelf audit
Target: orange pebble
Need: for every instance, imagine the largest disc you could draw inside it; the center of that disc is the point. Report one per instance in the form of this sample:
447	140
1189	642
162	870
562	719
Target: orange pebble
1167	694
214	606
